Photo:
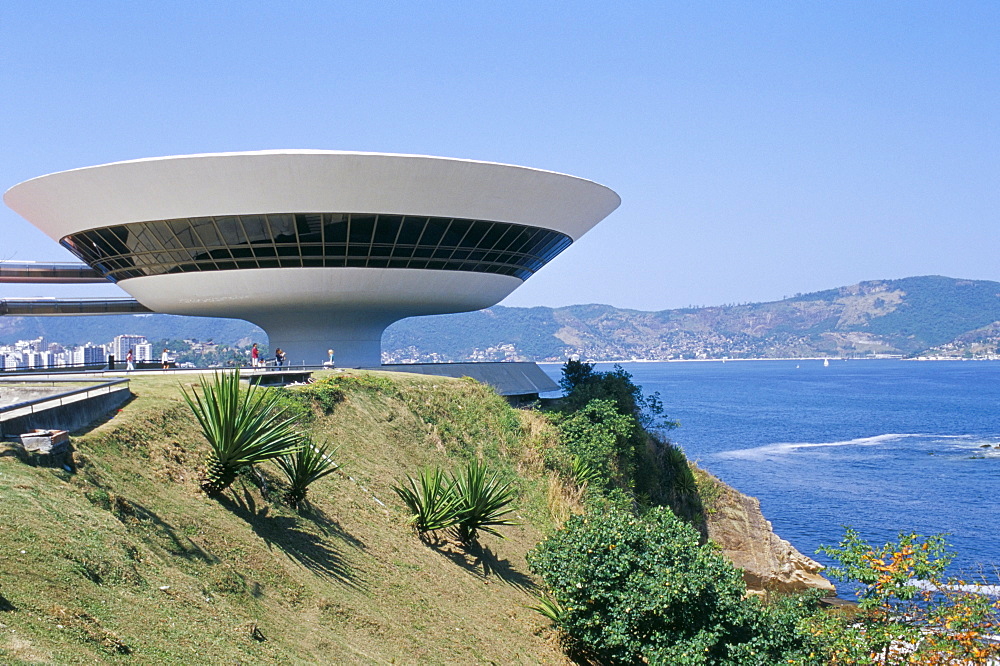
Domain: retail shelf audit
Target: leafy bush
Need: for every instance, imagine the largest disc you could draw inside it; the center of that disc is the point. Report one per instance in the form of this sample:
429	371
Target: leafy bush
582	385
242	426
634	589
308	464
600	437
610	426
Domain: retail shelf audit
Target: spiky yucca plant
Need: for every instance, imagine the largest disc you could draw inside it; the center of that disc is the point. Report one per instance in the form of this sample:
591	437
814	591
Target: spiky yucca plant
483	501
549	608
430	501
307	464
586	474
243	426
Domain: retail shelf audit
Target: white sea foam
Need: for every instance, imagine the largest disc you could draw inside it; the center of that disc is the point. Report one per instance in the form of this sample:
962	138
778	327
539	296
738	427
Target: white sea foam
785	448
986	590
964	442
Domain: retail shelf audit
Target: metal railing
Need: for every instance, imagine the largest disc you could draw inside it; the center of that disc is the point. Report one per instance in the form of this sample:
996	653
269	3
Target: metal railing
57	369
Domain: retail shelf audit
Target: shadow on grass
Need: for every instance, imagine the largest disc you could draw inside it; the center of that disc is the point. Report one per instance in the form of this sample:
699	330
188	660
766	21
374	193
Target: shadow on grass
136	517
5	605
329	526
483	563
285	532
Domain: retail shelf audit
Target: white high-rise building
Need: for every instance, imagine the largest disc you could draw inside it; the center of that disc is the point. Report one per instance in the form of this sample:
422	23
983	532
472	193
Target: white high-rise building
122	343
144	351
89	354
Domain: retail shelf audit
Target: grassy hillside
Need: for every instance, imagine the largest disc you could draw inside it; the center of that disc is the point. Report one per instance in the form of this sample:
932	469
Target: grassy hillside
126	561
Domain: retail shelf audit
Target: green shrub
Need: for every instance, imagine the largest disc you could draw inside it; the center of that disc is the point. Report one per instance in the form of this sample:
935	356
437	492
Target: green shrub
643	589
600	437
584	473
583	385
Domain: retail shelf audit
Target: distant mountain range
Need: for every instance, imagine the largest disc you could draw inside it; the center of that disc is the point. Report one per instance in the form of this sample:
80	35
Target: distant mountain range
930	314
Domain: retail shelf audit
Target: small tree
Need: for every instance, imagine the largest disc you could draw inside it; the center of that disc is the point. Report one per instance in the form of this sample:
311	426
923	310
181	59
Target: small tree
909	610
243	427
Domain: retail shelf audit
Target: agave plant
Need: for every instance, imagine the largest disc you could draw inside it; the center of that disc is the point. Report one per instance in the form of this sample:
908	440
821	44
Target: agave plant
430	501
548	608
585	473
243	427
307	464
483	501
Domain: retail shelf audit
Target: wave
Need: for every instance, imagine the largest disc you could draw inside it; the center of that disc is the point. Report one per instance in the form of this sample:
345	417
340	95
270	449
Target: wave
783	448
963	442
985	590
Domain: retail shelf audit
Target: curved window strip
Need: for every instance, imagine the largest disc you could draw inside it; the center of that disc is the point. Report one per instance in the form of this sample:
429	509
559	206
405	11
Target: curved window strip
298	240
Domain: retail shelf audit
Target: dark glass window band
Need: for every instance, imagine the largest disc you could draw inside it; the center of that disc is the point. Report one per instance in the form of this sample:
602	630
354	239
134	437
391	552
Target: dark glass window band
296	240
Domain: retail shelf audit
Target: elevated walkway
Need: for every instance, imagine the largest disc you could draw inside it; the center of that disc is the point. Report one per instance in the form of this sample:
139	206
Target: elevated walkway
61	307
37	272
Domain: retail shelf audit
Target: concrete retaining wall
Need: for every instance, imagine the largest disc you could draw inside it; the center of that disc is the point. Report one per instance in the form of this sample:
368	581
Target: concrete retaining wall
72	416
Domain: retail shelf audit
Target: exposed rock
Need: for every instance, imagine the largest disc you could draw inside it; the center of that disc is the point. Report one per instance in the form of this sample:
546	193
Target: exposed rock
736	523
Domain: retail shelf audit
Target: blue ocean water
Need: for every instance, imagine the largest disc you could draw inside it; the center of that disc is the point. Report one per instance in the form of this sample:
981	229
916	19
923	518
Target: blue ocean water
881	446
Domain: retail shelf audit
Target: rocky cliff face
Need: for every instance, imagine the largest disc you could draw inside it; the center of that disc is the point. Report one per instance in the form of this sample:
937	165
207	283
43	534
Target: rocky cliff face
769	563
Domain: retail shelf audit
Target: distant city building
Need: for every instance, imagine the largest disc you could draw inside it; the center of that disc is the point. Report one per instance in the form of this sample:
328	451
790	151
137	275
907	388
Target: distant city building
123	343
89	354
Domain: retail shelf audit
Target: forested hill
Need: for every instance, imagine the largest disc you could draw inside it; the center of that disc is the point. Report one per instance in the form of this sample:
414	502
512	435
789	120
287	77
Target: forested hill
907	316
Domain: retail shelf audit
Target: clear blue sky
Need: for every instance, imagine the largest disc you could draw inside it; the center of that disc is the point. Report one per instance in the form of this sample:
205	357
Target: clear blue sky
760	148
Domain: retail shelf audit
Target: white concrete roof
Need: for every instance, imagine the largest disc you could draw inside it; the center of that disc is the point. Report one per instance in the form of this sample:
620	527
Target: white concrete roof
299	181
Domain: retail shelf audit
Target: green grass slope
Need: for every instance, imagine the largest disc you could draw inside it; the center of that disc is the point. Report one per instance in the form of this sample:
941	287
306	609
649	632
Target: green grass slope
126	561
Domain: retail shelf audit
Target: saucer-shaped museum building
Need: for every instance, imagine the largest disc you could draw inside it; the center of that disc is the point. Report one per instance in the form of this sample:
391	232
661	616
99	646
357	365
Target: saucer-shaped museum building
321	249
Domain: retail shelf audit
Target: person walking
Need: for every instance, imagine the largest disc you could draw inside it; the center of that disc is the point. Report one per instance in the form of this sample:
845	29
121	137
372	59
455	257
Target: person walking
129	361
165	358
254	356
